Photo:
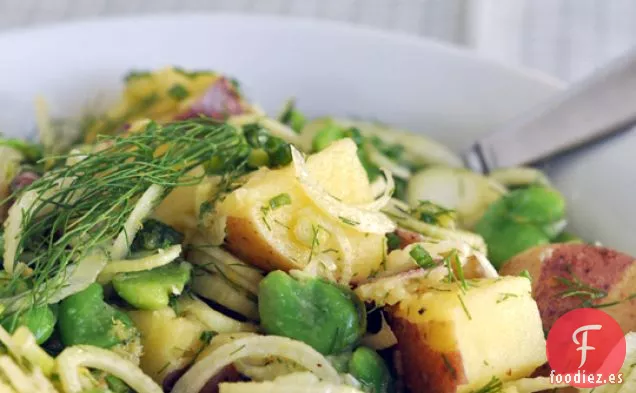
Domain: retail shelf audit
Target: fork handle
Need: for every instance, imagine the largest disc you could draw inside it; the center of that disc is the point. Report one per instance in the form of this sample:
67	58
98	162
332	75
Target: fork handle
598	106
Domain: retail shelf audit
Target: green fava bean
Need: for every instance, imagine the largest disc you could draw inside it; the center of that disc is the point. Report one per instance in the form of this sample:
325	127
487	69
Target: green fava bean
151	289
85	318
511	238
40	321
537	205
329	318
370	370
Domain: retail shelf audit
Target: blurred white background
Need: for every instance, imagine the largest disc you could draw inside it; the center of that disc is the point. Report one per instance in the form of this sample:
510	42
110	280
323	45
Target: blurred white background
564	38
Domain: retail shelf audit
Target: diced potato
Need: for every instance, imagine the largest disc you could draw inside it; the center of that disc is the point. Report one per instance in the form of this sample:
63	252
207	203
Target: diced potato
179	209
170	342
292	235
602	277
455	340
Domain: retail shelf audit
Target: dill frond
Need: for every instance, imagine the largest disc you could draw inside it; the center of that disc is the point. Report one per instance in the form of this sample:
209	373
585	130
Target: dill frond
100	192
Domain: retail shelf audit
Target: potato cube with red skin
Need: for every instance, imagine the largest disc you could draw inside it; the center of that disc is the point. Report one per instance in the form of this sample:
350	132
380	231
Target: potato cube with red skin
569	276
454	340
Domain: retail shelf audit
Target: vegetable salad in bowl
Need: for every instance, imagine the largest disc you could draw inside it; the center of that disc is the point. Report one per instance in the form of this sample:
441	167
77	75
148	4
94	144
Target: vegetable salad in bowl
183	241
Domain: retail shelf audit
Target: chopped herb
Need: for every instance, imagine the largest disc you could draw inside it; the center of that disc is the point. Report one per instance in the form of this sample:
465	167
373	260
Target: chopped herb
265	211
576	288
609	304
330	250
315	241
242	347
449	367
281	224
434	214
348	221
505	296
526	274
494	386
207	336
393	241
422	257
279	200
178	92
135	74
461	301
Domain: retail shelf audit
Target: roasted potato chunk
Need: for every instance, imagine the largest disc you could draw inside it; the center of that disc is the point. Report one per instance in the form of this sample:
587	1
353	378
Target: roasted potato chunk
569	276
455	340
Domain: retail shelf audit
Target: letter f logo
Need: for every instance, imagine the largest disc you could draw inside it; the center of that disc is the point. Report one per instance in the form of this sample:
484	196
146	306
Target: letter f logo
583	344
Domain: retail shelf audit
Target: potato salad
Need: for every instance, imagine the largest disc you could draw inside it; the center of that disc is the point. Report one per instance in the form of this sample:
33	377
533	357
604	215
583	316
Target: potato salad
184	241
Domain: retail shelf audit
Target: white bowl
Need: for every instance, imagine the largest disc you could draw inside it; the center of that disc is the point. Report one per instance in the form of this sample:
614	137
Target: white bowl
447	93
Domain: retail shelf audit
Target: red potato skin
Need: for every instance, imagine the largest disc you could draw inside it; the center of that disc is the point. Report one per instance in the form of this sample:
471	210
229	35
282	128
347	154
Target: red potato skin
248	245
408	237
600	268
425	370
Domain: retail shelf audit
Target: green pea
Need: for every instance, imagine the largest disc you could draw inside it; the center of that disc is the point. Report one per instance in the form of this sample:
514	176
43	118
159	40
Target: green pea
326	136
258	158
370	370
151	289
85	318
329	318
538	205
40	321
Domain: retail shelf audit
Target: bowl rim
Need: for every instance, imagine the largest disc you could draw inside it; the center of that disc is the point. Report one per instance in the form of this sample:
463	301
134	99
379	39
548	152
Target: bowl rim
465	53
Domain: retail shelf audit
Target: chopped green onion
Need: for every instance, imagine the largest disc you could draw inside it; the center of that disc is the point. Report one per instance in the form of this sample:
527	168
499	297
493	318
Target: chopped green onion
279	201
178	92
326	136
393	241
422	257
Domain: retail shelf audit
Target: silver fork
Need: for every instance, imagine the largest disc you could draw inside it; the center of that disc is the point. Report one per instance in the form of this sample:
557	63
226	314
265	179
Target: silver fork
602	105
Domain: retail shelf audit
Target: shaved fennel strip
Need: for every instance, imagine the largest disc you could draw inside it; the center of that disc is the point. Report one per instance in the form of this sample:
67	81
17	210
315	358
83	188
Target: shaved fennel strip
358	219
18	379
274	127
383	339
399	211
210	318
133	224
12	227
213	265
24	345
161	258
216	288
386	196
73	358
82	274
383	161
249	272
257	346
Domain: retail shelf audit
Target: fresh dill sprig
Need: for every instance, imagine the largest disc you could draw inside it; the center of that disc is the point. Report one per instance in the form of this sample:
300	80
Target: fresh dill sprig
99	193
574	287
